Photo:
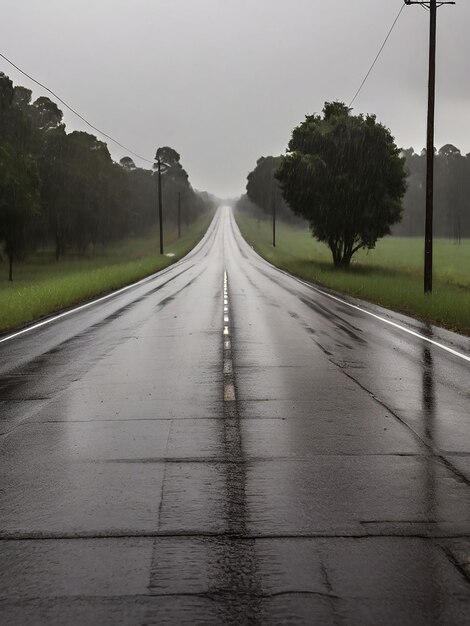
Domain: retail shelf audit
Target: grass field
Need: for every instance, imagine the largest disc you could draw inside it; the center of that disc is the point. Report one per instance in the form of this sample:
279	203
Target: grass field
42	285
390	275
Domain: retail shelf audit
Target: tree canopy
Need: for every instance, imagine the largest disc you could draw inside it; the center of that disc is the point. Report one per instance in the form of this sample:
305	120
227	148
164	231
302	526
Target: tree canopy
344	174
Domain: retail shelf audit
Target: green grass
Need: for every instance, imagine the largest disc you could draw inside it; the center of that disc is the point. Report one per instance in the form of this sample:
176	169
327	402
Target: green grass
41	285
390	275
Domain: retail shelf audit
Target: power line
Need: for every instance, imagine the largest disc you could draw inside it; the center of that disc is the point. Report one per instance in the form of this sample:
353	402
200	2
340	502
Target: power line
378	55
118	143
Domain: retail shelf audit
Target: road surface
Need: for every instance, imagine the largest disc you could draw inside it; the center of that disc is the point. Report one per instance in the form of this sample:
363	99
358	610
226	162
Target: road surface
222	444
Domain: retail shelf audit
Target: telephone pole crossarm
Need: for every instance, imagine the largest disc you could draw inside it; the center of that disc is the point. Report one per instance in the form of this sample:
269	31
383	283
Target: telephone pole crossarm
428	4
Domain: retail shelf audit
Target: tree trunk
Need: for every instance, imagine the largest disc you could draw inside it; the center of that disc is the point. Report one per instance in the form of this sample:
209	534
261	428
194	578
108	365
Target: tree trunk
342	255
335	252
345	261
10	271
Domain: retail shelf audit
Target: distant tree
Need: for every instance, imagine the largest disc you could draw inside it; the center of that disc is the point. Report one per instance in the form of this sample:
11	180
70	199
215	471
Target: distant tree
176	182
46	113
263	189
168	155
451	192
414	201
141	200
6	102
56	174
344	174
89	166
127	163
22	97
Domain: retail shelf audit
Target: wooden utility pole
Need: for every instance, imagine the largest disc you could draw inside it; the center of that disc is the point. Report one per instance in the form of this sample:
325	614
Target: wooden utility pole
160	203
274	219
179	214
432	5
428	230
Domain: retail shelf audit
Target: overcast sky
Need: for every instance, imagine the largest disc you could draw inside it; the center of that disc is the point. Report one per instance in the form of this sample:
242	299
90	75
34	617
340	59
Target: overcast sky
225	81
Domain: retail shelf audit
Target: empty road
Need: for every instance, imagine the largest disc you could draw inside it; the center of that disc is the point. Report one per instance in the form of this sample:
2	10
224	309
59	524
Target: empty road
223	444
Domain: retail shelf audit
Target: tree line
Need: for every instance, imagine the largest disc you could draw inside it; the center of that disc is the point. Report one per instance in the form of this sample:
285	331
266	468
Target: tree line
344	175
63	190
451	194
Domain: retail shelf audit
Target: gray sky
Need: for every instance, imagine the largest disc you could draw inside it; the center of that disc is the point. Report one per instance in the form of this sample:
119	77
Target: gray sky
225	81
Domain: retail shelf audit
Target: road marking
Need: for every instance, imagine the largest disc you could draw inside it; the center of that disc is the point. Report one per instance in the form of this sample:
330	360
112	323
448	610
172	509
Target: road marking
229	386
433	342
76	309
229	392
382	319
49	320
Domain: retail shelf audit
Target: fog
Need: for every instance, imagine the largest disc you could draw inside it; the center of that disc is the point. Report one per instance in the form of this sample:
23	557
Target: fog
225	81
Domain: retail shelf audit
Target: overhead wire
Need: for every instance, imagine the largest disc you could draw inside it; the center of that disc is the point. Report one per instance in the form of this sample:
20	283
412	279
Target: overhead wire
75	112
378	55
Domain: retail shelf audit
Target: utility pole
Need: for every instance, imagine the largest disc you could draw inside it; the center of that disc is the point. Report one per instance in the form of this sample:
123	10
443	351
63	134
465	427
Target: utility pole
160	204
274	219
432	6
179	214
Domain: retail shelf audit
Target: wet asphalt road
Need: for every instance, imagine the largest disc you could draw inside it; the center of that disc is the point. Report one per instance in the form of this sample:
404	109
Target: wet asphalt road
197	450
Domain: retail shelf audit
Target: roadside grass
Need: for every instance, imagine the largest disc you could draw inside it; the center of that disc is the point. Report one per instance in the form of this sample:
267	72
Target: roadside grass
42	286
390	275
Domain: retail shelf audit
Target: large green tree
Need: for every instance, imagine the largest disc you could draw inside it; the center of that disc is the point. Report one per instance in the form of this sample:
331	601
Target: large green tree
345	175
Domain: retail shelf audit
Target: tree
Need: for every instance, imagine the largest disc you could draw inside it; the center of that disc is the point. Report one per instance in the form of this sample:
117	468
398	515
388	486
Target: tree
127	163
263	189
450	192
344	174
176	182
46	113
6	101
89	165
22	97
19	178
19	202
55	171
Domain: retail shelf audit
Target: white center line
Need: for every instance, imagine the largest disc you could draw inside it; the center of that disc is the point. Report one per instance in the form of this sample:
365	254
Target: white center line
229	387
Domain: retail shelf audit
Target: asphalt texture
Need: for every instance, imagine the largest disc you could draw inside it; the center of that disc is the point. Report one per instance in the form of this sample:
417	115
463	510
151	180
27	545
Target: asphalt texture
222	444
